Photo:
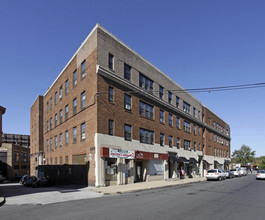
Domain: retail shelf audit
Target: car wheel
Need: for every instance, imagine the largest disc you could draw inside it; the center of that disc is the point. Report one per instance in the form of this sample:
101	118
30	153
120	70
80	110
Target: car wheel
220	178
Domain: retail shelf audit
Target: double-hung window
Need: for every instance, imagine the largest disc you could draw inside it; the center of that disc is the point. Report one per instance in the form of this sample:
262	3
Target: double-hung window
66	137
111	59
83	100
186	126
161	92
178	143
51	104
50	123
66	112
111	127
83	69
74	78
74	106
61	139
169	97
170	141
170	119
127	132
61	116
66	87
178	122
162	139
177	101
61	93
127	102
111	94
55	120
74	135
146	110
56	98
187	145
55	142
146	83
146	136
50	144
127	72
83	131
161	116
186	107
194	129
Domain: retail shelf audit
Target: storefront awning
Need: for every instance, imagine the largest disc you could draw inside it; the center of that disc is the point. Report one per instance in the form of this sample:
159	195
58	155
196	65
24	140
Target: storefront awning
193	160
183	159
217	163
206	162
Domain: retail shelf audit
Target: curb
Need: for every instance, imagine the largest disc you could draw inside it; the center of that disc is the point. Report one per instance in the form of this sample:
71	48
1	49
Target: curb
2	201
147	188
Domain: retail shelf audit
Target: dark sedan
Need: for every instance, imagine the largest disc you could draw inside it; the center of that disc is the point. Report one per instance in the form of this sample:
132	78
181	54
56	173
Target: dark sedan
229	174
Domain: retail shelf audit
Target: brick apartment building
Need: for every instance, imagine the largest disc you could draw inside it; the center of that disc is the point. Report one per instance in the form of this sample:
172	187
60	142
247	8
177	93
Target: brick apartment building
18	139
114	111
2	111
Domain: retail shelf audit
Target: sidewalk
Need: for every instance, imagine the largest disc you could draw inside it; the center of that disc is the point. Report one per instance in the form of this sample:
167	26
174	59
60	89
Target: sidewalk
119	189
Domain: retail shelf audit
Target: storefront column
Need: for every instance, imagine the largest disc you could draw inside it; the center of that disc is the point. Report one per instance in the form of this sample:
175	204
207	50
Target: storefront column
100	172
201	168
165	170
121	171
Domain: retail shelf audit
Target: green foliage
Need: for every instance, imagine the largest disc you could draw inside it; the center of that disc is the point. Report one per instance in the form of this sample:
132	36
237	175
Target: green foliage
244	155
262	164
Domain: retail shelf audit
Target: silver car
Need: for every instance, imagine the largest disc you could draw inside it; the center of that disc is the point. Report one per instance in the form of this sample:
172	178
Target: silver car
260	175
243	171
236	172
215	174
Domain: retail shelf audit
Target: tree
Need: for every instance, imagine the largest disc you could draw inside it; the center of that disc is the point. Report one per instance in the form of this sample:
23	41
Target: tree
262	164
244	155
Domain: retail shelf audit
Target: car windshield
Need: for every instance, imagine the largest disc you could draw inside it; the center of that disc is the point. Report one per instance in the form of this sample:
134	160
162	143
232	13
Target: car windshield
261	171
212	171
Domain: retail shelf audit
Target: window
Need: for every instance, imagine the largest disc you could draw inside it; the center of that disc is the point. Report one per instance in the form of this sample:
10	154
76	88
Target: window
199	131
61	139
186	126
50	103
186	107
50	123
83	100
83	132
127	72
55	142
111	95
74	106
214	124
169	97
66	112
111	61
161	92
194	129
146	136
50	144
61	160
127	102
146	83
161	116
61	93
177	101
83	69
55	120
61	116
194	146
66	137
178	123
170	119
74	78
127	132
47	127
146	110
214	138
178	143
74	135
111	127
55	160
66	160
162	139
47	145
56	98
47	107
66	87
187	145
194	112
170	142
199	114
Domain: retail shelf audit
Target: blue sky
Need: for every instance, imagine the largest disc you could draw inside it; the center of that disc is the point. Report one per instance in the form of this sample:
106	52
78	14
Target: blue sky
198	43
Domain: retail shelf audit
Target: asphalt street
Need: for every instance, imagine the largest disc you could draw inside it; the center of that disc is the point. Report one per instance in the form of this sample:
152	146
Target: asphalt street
240	198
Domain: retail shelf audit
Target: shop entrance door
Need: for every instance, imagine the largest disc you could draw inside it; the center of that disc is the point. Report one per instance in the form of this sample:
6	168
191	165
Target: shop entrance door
139	171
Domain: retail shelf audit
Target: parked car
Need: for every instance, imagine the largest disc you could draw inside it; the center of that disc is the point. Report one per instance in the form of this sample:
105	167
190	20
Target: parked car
29	181
42	181
243	171
229	174
23	179
236	172
215	174
260	175
2	179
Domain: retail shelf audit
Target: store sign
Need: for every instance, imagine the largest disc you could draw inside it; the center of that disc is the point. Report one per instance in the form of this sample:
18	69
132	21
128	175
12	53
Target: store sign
128	154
